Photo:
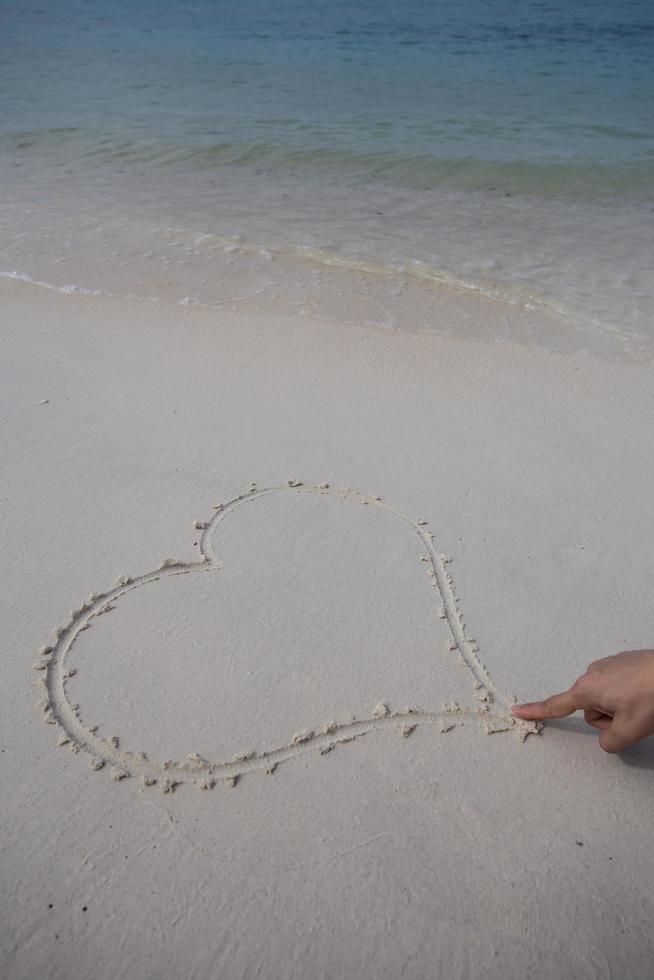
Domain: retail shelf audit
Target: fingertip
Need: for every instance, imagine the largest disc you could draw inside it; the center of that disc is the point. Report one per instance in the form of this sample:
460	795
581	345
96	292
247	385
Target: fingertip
531	711
611	742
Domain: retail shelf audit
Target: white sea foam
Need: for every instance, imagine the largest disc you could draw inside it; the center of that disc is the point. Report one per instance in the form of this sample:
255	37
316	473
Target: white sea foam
67	288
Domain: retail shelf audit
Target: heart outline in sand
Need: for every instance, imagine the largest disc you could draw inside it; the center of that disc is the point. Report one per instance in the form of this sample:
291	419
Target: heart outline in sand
493	713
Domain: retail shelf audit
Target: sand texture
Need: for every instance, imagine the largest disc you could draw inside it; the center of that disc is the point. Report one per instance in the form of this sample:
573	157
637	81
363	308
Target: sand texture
313	564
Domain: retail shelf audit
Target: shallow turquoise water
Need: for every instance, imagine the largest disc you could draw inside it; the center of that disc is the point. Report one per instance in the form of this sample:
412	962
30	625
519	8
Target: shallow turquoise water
508	147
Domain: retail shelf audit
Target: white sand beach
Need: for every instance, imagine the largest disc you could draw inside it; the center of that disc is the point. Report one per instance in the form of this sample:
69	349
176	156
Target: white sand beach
291	753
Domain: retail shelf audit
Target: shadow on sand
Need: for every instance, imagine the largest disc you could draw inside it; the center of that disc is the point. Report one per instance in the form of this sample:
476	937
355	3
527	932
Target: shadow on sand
639	756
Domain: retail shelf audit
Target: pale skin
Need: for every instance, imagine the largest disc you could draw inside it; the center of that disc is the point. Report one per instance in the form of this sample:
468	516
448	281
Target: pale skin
616	695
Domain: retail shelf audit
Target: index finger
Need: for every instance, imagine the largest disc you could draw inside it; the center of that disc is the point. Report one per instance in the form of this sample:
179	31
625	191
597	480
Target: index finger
557	706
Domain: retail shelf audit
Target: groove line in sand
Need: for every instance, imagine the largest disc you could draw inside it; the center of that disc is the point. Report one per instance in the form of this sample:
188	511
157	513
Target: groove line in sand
493	713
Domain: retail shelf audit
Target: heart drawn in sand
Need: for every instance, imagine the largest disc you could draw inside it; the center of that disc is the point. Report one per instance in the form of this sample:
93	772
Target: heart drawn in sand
492	714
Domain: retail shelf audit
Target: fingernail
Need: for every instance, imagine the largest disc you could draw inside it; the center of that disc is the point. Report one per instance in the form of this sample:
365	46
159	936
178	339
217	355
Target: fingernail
515	707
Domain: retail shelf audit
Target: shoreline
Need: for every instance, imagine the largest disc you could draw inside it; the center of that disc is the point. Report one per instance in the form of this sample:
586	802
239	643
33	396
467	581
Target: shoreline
365	296
341	249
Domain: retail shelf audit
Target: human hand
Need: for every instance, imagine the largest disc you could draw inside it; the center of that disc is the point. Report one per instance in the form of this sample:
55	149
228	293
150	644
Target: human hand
616	695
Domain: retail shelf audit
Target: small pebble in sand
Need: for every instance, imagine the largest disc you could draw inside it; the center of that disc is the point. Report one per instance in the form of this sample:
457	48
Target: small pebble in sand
231	781
118	774
380	710
407	730
446	726
168	786
294	483
97	764
200	525
148	780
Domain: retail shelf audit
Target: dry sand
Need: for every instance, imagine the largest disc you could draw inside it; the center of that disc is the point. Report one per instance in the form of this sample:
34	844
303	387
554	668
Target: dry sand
235	533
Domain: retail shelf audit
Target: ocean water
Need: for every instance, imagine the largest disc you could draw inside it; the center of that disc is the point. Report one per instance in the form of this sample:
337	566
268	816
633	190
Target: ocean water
337	156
